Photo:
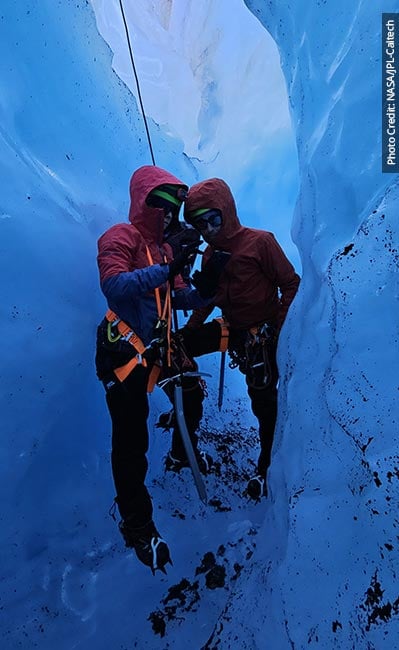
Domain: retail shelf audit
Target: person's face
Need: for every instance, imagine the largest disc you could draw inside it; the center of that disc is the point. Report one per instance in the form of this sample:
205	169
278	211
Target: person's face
208	224
168	215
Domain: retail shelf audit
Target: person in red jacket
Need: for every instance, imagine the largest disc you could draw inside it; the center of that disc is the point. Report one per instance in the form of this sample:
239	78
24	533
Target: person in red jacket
253	283
137	268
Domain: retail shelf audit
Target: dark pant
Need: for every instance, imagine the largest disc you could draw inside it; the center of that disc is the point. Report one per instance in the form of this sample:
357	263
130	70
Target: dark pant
128	406
264	407
263	396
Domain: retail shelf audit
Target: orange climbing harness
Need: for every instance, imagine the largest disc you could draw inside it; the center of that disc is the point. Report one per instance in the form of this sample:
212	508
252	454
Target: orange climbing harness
125	332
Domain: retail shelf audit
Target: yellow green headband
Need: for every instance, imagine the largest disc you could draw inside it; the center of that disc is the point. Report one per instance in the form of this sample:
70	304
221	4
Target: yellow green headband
198	212
168	197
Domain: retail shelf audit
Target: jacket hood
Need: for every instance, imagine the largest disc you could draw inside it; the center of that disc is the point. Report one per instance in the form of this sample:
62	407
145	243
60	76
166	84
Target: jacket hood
148	220
215	193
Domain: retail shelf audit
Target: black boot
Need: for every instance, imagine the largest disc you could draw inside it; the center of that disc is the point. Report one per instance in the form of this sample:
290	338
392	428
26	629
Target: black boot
149	546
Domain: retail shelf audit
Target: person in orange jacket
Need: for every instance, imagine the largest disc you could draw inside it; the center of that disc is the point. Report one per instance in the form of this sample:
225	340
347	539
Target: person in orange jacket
247	275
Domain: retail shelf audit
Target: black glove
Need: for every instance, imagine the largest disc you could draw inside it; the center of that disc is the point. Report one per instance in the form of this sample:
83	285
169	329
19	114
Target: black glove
207	280
181	236
179	240
182	259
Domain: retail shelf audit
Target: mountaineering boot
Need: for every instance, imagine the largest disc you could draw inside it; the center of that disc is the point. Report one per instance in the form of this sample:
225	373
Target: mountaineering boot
205	462
149	546
256	487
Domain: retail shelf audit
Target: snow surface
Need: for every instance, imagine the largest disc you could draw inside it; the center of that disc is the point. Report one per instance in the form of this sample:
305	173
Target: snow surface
315	564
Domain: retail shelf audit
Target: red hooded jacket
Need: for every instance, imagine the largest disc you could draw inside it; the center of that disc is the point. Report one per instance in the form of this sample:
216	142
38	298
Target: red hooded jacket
127	278
123	247
258	282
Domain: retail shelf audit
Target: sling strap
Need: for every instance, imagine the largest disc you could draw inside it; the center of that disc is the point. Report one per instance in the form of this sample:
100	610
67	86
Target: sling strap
165	314
224	334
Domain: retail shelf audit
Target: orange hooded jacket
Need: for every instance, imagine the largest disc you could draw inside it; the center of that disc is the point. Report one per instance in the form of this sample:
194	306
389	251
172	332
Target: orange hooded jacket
258	282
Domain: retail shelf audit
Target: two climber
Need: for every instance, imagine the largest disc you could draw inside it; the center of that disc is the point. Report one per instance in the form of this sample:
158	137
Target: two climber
144	274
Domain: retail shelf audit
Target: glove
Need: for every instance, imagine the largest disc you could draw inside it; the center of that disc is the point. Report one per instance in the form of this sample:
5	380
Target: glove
181	260
182	236
179	242
206	281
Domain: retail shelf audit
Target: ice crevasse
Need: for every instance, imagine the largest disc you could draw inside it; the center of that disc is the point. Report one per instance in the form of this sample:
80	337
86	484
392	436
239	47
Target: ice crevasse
325	570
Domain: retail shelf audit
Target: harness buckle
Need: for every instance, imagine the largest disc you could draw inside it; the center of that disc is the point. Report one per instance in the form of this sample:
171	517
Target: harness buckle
128	336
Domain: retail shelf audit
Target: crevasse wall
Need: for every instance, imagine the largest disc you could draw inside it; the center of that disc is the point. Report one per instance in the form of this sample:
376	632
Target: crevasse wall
326	574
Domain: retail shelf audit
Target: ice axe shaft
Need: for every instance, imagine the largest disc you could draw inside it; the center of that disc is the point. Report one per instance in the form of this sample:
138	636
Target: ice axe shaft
221	380
181	422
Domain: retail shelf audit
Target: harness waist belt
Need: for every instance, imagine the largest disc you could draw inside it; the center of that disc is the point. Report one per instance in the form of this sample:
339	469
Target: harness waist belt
131	337
125	331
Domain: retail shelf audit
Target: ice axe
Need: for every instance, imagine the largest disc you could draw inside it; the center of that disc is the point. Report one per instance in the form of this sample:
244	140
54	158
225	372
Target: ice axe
181	423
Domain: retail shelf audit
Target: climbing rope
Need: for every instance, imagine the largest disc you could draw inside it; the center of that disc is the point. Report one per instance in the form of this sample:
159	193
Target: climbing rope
137	82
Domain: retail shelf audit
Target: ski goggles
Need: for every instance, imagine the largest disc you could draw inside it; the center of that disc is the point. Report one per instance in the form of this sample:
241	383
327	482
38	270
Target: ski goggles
169	197
203	217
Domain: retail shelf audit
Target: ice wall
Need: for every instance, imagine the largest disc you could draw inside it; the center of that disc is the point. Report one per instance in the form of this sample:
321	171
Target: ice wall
326	574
